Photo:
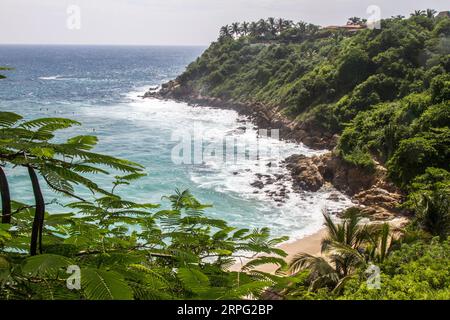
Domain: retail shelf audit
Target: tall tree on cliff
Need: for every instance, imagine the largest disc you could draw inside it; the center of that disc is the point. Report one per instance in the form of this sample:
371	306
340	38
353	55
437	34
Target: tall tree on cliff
245	28
235	29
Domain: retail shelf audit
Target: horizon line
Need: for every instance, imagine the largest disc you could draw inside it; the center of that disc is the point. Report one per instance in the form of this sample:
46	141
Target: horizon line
104	44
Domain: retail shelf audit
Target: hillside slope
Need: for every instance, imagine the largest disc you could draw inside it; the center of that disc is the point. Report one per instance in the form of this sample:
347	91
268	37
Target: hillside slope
384	92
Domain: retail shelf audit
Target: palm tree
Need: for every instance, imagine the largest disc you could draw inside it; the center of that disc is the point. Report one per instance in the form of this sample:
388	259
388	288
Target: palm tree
263	28
382	239
280	25
322	274
418	13
430	13
354	20
312	28
301	26
225	32
235	29
433	212
348	245
253	29
349	232
288	24
271	24
331	272
344	241
343	244
245	28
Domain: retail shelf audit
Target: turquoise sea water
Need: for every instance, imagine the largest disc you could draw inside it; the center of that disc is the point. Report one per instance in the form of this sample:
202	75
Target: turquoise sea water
100	87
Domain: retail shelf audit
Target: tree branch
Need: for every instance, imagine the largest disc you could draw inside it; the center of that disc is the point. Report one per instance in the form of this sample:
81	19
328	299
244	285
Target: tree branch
6	198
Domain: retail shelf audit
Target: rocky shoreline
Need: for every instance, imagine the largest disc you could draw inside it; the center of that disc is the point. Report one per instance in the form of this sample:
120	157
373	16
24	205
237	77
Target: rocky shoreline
263	116
371	191
377	198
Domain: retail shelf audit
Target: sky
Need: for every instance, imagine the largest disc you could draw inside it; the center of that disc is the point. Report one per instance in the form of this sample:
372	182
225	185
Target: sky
171	22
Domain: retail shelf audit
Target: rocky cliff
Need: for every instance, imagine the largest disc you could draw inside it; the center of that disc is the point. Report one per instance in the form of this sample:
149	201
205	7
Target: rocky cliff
370	190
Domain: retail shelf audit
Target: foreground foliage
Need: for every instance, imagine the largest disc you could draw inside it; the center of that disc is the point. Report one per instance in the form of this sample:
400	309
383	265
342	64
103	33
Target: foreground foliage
372	262
417	271
122	249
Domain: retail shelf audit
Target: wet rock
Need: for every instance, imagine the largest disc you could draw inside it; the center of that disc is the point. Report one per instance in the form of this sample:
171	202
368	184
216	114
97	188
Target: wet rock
305	173
380	198
257	184
334	196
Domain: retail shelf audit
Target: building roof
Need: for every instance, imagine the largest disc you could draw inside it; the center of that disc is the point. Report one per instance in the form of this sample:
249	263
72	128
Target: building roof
347	27
444	14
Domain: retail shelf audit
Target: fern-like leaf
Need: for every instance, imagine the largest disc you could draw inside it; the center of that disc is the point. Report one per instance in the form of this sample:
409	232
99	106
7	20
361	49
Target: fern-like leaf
99	284
8	119
45	264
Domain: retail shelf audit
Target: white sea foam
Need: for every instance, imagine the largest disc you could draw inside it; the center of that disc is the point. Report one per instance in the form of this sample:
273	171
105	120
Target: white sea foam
57	77
297	214
70	78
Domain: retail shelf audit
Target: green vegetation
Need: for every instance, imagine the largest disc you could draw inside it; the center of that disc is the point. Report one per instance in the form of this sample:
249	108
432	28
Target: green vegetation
411	264
3	68
128	250
124	249
416	271
349	246
386	92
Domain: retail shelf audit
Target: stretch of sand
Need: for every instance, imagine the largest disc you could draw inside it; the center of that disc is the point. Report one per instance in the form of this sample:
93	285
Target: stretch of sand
310	244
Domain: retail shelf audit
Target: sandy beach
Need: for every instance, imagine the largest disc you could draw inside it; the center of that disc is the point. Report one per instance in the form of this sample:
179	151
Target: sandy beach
309	244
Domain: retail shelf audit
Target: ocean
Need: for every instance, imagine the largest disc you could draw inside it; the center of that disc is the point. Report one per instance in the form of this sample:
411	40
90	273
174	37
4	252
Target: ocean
100	86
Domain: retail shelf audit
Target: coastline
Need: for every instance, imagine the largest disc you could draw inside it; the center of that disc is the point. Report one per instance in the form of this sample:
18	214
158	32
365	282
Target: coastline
310	244
263	116
372	192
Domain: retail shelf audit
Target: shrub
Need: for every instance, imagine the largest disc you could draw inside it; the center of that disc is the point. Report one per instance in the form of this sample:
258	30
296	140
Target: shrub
440	89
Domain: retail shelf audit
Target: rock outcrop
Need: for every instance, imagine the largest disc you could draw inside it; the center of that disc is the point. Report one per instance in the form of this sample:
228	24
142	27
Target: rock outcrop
305	172
370	190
